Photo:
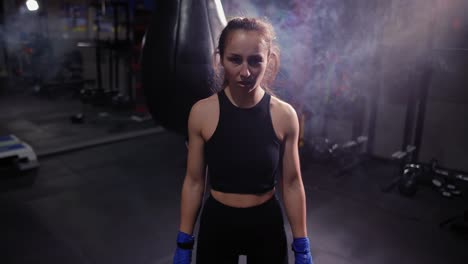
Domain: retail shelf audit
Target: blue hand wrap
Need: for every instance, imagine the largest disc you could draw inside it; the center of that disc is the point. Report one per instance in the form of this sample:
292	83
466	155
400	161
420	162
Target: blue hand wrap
301	248
185	240
183	254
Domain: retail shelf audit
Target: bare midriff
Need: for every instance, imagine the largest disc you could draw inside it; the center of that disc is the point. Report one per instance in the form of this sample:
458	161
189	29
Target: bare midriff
242	200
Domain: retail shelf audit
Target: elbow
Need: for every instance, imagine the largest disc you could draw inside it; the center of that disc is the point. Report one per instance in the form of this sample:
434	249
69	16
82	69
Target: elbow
292	182
194	182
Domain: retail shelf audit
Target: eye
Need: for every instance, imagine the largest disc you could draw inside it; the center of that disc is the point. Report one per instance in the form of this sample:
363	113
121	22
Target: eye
255	61
235	60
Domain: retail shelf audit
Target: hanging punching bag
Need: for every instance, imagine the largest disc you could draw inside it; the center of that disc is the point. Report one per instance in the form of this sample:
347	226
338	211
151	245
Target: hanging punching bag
177	58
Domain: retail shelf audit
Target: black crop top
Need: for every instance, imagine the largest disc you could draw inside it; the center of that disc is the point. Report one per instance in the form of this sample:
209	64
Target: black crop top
243	155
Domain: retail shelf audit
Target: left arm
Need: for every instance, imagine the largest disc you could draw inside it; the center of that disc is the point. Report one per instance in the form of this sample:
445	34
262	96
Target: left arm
293	188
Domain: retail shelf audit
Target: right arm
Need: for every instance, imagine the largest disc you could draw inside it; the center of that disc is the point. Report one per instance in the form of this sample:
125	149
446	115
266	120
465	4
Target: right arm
194	183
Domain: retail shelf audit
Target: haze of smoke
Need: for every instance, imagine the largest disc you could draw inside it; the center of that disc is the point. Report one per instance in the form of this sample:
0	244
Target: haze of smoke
329	48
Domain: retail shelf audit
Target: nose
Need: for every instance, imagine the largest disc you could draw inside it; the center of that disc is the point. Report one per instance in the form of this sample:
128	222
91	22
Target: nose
245	72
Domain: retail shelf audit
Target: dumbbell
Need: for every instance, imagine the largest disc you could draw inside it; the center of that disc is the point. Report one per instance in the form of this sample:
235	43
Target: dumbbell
446	189
442	180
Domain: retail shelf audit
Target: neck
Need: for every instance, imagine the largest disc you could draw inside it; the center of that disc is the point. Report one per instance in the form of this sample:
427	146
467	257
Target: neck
245	98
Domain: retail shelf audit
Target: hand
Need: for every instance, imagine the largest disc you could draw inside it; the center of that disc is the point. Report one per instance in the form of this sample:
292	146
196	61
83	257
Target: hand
301	248
182	256
183	253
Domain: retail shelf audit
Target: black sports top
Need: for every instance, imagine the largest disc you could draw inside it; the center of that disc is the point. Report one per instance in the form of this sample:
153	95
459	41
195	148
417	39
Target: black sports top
243	155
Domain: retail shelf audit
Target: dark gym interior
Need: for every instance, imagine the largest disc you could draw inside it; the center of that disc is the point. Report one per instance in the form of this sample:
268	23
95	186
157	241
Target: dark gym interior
94	96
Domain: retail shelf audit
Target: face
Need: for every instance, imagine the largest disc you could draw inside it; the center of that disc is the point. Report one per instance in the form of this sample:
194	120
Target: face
245	59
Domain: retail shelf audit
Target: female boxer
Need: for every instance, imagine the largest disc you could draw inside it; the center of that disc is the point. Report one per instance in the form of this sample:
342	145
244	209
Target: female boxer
245	137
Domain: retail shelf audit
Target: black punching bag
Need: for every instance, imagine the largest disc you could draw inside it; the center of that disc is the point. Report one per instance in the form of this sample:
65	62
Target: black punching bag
177	58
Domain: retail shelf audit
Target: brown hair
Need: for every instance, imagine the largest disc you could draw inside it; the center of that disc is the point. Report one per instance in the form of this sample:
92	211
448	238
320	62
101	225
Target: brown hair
266	31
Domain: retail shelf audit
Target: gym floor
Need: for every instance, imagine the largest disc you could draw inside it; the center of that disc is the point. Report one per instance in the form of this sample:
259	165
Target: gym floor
119	203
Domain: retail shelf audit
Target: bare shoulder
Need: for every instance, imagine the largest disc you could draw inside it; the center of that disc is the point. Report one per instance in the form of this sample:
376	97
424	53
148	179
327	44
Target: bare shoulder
284	118
204	106
203	113
282	109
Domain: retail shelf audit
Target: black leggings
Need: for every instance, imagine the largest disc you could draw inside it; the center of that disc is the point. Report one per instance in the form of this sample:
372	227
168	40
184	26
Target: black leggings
226	232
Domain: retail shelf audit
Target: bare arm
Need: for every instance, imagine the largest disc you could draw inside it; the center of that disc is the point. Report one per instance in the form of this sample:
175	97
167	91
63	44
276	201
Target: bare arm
293	188
194	182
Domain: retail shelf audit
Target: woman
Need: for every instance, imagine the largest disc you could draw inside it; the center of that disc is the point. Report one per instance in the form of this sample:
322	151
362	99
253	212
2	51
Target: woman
246	138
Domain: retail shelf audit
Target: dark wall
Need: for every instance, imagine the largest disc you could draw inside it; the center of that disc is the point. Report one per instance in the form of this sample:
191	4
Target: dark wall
444	50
